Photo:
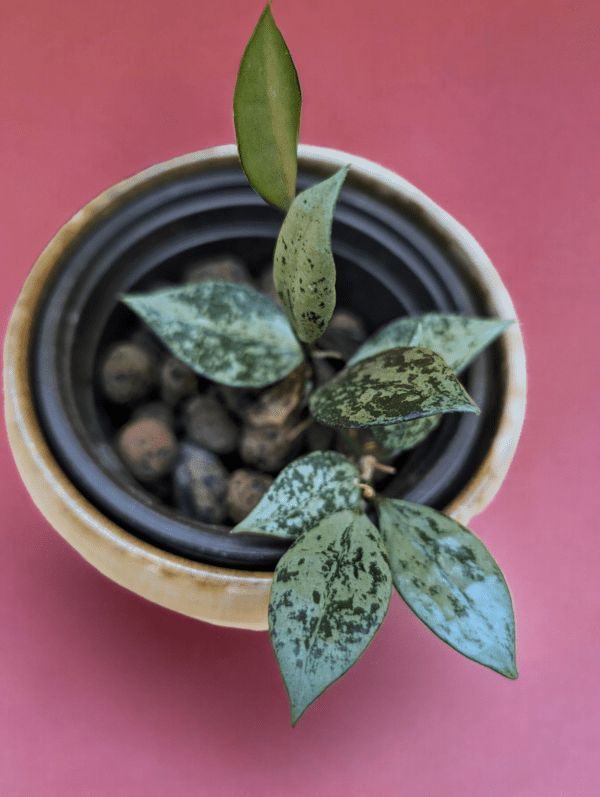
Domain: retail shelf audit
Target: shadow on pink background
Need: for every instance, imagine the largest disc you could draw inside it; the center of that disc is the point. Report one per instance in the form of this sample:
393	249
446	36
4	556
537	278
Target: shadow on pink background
492	110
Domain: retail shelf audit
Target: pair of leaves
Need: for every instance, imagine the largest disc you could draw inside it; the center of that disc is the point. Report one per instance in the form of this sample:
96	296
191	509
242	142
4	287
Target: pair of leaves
266	109
331	593
331	589
457	339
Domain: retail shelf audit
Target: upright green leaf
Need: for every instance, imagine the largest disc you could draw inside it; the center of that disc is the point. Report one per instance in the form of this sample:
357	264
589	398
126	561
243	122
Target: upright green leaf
456	338
451	582
330	594
266	112
305	492
394	385
229	333
304	269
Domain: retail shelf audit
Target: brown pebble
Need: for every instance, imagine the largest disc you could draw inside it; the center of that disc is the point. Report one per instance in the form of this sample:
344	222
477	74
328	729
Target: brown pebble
238	400
177	380
269	448
224	269
127	373
200	484
148	448
246	488
208	424
157	410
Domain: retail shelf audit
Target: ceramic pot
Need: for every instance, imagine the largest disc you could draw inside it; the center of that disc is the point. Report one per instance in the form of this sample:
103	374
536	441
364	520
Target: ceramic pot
396	252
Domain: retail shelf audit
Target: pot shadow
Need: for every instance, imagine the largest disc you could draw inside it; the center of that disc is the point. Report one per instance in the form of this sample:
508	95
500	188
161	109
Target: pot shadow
199	679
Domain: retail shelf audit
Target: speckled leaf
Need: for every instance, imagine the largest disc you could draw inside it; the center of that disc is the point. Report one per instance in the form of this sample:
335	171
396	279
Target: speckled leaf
229	333
451	582
330	594
304	269
399	437
394	385
456	338
266	112
305	492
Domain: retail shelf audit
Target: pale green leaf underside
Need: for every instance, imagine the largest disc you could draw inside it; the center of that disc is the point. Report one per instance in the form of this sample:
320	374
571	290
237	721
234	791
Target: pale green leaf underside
266	110
451	582
399	437
304	269
305	492
394	385
330	594
456	338
229	333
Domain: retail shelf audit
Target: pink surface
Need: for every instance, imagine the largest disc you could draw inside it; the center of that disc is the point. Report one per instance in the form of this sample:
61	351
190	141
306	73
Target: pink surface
491	109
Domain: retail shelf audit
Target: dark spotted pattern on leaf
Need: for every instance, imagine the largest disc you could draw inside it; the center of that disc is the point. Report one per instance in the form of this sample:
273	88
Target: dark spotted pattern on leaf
394	385
305	492
304	269
451	582
229	333
266	112
330	594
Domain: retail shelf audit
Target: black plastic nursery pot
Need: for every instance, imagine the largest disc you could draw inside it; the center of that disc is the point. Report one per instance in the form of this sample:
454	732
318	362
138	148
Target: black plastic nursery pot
396	254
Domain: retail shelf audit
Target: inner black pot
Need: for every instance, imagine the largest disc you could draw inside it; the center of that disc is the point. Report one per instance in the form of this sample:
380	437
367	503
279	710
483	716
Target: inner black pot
389	262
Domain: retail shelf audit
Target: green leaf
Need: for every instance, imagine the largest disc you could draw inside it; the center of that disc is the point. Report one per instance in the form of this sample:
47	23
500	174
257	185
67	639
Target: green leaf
456	338
330	594
229	333
394	385
449	579
266	112
399	437
305	492
304	269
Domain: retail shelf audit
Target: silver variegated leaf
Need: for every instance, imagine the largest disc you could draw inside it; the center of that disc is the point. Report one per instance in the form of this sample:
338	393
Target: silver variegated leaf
451	582
229	333
394	385
304	269
266	112
456	338
330	594
305	492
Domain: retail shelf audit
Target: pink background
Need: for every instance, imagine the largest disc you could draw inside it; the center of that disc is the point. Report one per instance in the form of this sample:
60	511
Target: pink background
491	109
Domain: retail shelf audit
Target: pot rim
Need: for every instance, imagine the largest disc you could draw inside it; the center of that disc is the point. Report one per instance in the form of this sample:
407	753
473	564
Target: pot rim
220	595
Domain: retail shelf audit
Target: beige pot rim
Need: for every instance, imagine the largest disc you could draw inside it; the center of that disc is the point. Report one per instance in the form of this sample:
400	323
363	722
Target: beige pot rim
218	595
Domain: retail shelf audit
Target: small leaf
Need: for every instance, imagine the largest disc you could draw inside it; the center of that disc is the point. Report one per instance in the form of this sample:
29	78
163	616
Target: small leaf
330	594
399	437
304	269
394	385
229	333
456	338
266	111
305	492
449	579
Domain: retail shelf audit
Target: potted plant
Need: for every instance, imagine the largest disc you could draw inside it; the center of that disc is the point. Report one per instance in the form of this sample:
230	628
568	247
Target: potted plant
323	512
